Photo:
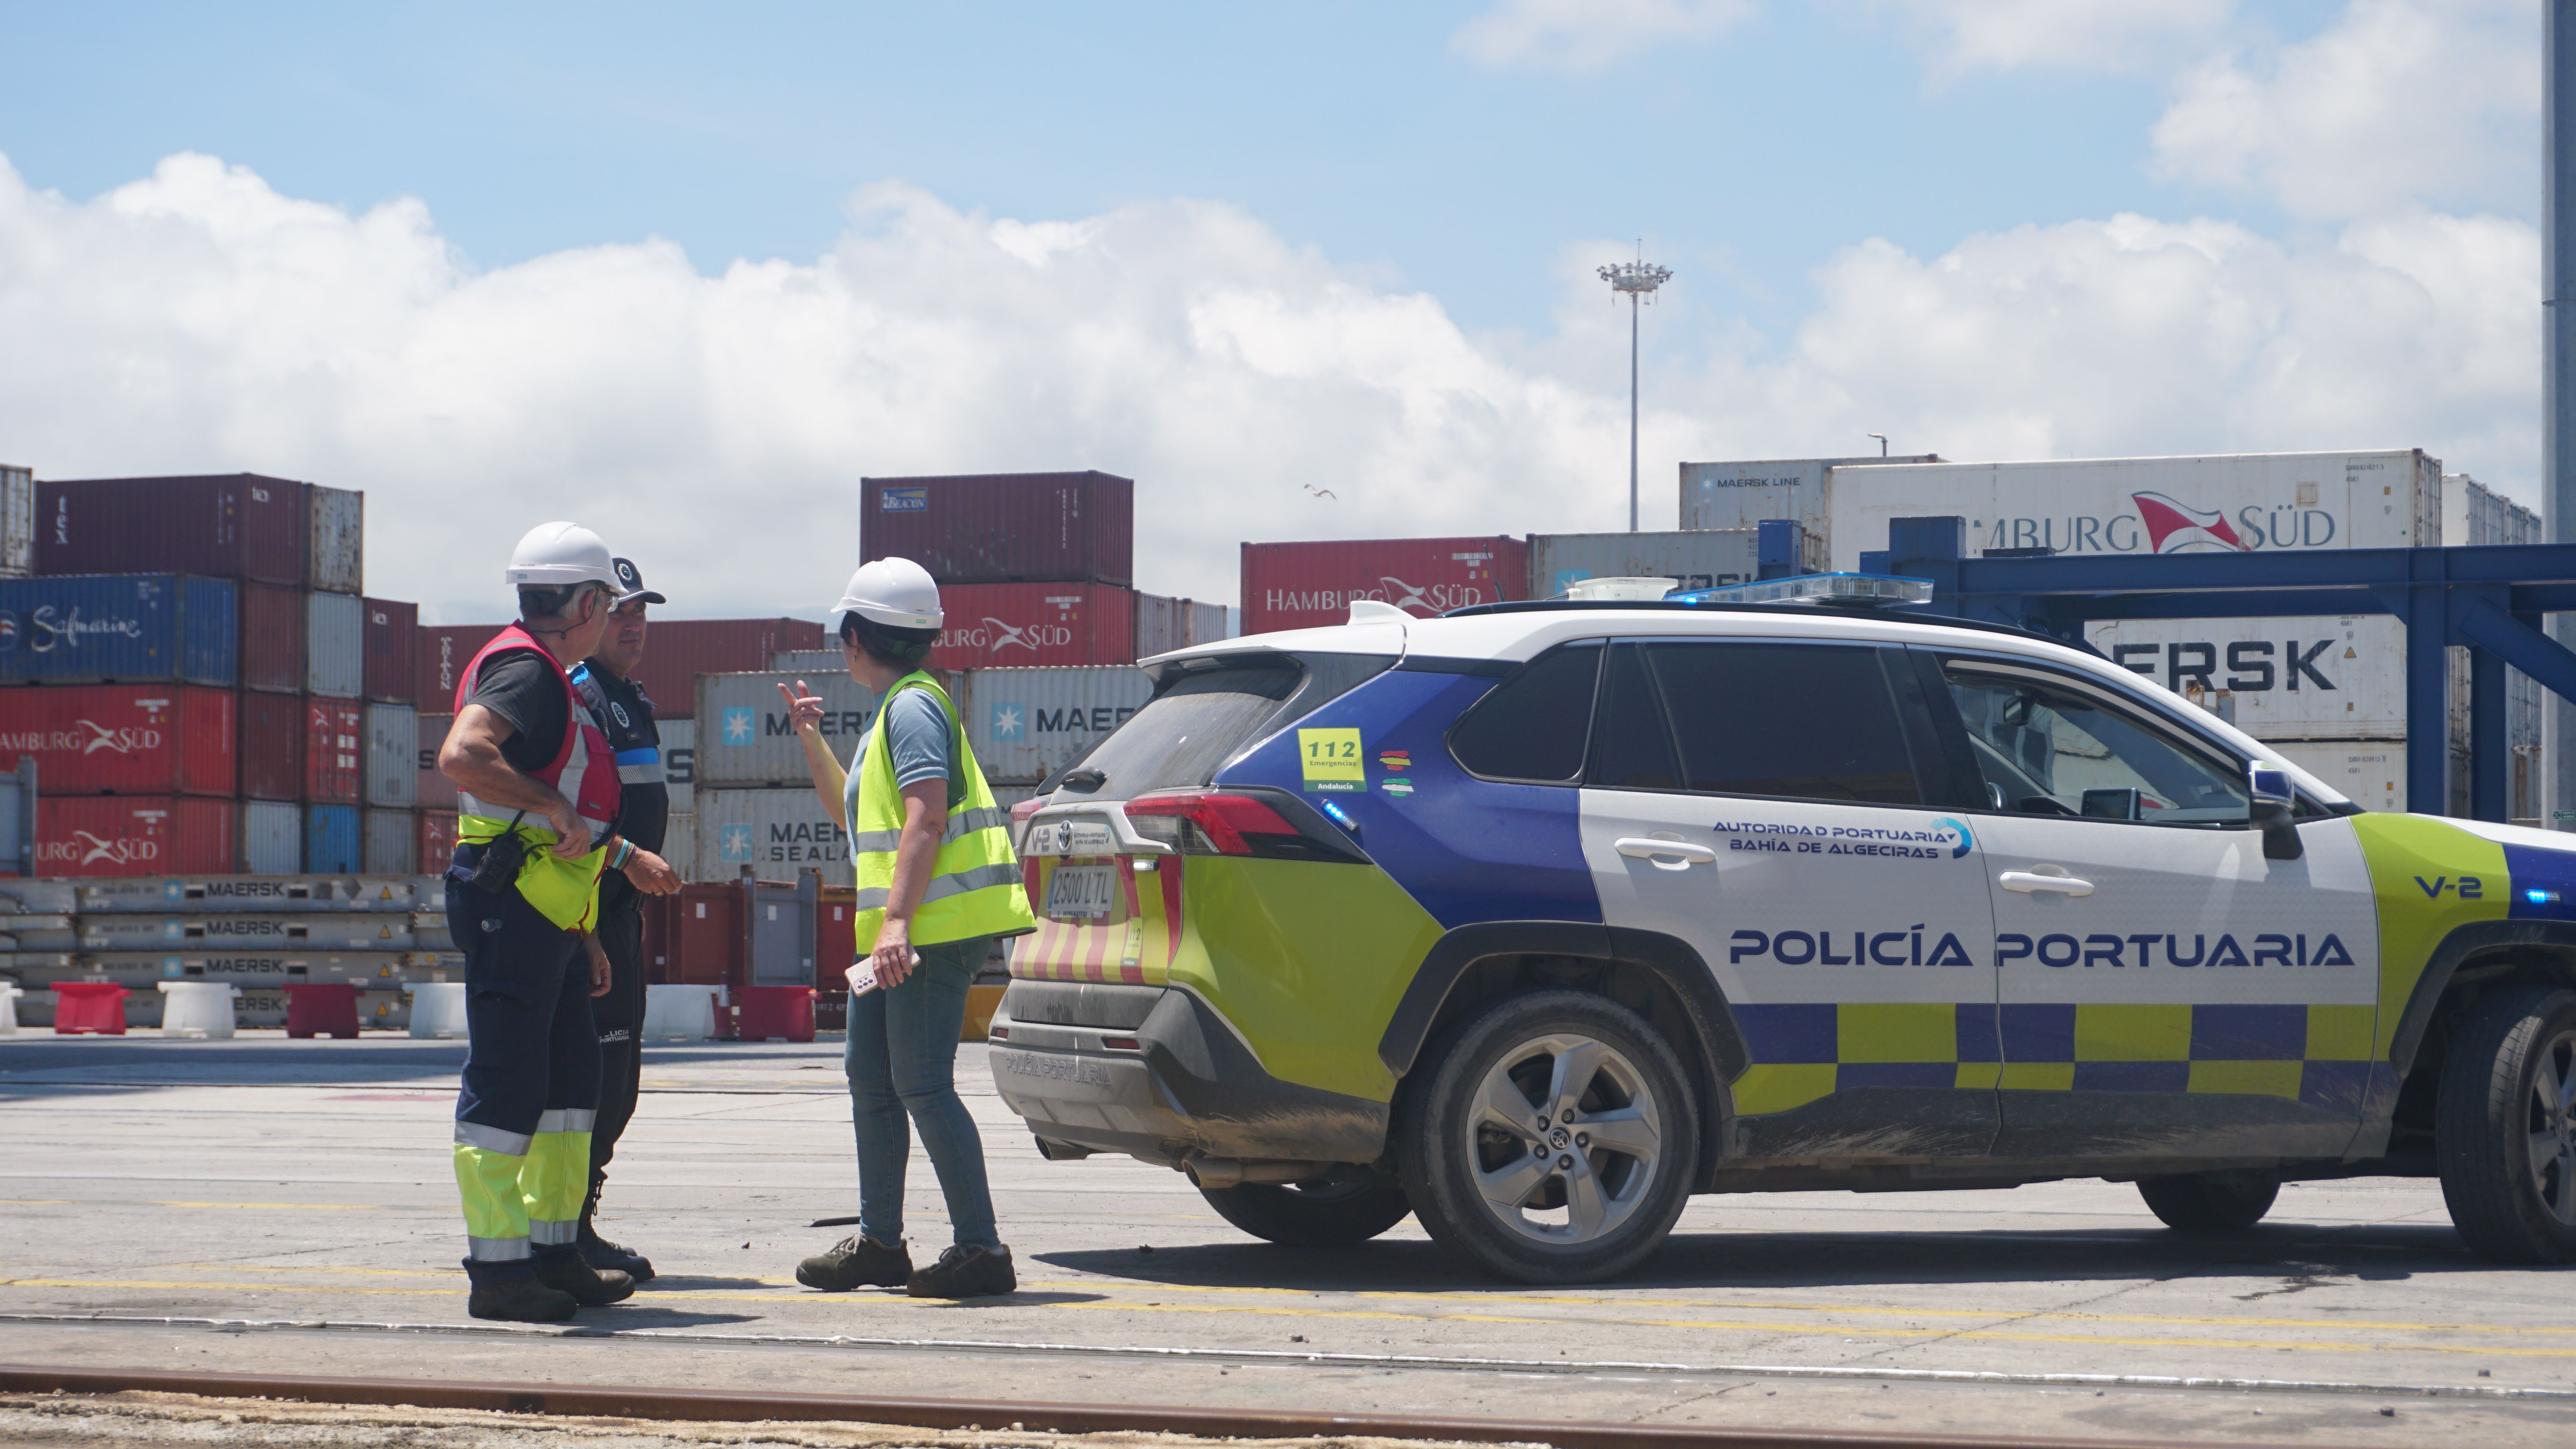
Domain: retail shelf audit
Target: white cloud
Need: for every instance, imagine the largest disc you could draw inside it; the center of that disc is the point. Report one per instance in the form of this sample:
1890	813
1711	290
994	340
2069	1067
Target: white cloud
2398	102
2117	35
1585	36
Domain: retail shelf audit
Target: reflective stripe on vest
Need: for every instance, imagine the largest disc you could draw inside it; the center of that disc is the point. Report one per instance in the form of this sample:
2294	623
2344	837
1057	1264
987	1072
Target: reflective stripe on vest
975	885
640	766
960	825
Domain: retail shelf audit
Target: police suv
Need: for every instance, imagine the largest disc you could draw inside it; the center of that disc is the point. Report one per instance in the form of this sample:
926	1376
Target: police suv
1534	919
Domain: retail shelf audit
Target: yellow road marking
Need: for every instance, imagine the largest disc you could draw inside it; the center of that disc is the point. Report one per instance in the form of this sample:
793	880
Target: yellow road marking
285	1207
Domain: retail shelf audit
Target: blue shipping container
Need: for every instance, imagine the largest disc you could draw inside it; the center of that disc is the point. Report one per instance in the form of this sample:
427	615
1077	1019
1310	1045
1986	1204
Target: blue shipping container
333	842
120	628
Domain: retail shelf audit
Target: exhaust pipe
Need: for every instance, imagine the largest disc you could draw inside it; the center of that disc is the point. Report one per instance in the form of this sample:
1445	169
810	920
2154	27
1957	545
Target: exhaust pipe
1222	1172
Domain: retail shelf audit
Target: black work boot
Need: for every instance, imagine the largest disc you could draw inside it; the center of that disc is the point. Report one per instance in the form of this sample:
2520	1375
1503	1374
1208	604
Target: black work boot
854	1262
964	1272
604	1255
563	1270
520	1300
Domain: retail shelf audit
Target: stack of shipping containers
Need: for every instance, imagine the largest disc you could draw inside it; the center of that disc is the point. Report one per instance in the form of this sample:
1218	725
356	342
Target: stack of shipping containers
1311	585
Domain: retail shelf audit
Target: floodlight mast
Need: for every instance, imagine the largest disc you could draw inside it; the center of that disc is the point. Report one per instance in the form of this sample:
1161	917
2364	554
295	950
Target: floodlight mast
1638	279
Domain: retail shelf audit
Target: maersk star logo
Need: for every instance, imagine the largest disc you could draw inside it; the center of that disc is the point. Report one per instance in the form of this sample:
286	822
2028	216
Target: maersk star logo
1010	722
735	842
737	729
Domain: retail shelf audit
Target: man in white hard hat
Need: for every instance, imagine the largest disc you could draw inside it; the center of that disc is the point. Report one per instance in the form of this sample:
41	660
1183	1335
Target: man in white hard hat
937	881
537	787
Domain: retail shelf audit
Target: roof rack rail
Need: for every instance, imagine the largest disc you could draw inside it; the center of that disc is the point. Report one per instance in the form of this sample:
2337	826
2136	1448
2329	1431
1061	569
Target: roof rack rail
1901	614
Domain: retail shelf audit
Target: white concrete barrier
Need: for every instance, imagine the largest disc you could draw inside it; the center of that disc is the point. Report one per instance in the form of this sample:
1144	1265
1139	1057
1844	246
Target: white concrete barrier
9	995
437	1009
197	1008
679	1013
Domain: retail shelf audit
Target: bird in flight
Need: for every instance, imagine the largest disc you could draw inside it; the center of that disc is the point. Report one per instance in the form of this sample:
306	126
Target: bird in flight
1319	492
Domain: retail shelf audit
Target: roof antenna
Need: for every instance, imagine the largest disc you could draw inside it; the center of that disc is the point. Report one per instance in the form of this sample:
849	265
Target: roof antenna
1882	442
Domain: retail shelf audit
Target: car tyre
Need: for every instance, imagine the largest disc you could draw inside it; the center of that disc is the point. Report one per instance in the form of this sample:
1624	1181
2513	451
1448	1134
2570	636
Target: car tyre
2210	1202
1327	1213
2502	1131
1613	1175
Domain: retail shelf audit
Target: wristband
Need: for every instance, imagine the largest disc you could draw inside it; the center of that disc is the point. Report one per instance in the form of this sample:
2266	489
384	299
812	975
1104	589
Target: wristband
625	853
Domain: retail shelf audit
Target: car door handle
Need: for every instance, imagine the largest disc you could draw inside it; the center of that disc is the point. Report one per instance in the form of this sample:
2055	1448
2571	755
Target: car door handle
1649	849
2027	881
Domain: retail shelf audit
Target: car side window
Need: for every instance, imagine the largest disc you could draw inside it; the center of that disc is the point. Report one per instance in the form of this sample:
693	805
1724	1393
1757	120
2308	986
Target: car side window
1534	725
1632	749
1793	721
2045	749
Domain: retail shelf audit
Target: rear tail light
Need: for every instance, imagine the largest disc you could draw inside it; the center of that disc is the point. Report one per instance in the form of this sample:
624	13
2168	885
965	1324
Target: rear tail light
1219	823
1122	1043
1020	814
998	1033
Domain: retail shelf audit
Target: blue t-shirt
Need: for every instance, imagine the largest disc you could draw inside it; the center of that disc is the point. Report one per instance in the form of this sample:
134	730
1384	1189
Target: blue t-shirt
917	732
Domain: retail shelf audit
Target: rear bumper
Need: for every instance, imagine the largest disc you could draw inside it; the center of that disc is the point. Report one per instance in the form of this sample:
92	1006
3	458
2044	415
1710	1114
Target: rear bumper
1190	1088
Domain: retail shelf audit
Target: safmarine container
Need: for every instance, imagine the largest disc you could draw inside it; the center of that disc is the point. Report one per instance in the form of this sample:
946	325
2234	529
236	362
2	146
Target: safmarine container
335	756
392	845
123	628
335	548
122	739
392	766
1743	493
1693	559
1307	585
113	835
233	526
679	761
997	625
434	790
775	832
274	731
272	837
393	636
746	735
997	528
273	630
1026	724
335	645
440	653
332	839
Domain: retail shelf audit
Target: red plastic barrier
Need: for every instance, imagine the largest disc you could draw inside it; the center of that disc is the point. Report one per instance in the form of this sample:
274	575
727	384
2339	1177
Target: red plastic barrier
322	1008
97	1008
779	1011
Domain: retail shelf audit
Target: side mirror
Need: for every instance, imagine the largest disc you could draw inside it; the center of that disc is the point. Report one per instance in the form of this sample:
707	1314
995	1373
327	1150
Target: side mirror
2269	803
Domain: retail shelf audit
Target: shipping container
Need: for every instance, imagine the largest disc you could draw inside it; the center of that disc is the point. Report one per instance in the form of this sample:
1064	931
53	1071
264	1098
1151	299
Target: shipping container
272	837
775	832
440	653
103	835
991	625
1693	559
746	734
393	639
289	891
2322	678
258	965
680	844
17	522
247	931
1165	624
680	759
335	759
236	526
335	549
1027	724
1307	585
1742	494
437	840
677	651
2370	773
273	629
700	936
1000	528
111	739
274	733
809	662
392	843
436	791
2475	516
335	646
119	628
392	767
333	840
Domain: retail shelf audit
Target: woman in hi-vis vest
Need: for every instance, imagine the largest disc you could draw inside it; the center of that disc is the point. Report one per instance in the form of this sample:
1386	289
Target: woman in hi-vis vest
937	881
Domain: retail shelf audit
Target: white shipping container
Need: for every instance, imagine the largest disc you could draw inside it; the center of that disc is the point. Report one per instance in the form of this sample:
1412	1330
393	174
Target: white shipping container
1742	494
1026	724
679	761
393	758
392	844
809	662
1693	558
434	790
335	551
247	931
335	646
746	735
272	838
2370	773
680	844
2276	679
17	522
775	832
1165	624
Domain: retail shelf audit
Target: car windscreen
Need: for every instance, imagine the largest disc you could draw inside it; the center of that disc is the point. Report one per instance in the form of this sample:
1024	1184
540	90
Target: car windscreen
1194	724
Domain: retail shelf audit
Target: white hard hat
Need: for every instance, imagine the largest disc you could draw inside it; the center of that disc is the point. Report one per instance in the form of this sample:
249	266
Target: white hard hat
895	592
552	555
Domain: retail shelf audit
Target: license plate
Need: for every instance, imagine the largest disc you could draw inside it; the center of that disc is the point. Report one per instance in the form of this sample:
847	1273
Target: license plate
1082	892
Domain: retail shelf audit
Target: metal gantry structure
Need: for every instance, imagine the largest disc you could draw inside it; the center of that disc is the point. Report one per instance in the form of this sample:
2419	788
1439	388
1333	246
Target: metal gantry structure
2489	599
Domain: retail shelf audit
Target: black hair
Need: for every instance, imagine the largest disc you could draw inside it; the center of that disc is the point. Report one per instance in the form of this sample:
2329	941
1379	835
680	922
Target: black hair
895	648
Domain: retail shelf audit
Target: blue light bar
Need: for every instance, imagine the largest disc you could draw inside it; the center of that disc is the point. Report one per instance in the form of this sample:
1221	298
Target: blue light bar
1818	589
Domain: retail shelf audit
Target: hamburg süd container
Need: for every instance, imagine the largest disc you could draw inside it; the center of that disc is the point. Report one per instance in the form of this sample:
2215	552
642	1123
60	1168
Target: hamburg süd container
1026	724
393	636
335	756
1306	585
335	548
775	832
121	628
1742	494
99	739
677	651
1001	528
335	646
274	732
233	526
435	791
272	837
440	653
996	625
110	835
392	845
393	757
1693	558
746	735
333	841
273	636
17	522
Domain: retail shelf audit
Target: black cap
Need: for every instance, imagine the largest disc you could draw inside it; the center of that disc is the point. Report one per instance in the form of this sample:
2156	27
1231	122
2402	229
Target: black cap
630	585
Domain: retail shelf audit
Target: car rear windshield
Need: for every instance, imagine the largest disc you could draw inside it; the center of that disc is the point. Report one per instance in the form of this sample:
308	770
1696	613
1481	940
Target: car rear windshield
1201	718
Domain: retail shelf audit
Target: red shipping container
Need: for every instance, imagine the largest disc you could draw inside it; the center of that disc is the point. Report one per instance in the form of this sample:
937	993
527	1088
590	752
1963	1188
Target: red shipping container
677	651
393	631
1308	585
990	625
702	935
438	841
236	526
101	835
439	655
1000	528
836	944
335	753
103	739
273	731
272	638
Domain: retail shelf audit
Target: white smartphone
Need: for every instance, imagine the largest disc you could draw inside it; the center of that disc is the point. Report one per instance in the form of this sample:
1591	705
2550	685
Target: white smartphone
863	976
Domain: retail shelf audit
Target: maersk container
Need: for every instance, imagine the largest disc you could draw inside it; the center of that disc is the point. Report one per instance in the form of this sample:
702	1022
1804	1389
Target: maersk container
335	548
335	646
775	832
247	931
274	733
1308	585
680	845
122	739
273	637
108	835
272	837
679	761
392	845
1026	724
393	636
233	526
333	841
440	653
991	626
119	628
1693	559
434	790
2321	678
746	735
392	757
17	522
2370	773
1742	494
335	756
999	528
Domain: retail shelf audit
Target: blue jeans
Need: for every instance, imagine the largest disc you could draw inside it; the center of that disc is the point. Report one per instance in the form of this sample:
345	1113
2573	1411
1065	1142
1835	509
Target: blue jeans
901	1058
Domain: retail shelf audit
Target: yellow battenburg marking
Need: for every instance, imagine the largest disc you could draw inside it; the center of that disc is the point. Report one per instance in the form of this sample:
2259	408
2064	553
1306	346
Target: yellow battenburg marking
2105	1033
2255	1079
2430	878
2340	1033
2039	1077
1896	1032
1979	1076
1779	1086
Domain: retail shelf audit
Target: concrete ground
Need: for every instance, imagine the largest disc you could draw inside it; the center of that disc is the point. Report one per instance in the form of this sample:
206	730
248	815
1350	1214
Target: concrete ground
265	1205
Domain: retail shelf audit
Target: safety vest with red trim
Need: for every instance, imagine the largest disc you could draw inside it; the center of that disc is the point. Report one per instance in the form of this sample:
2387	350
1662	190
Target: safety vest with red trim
565	892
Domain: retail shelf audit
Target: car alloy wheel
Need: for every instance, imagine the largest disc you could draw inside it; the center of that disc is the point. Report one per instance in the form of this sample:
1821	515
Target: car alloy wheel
1566	1139
2504	1129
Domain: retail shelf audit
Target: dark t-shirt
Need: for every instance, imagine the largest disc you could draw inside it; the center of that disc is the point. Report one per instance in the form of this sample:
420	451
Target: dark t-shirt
525	689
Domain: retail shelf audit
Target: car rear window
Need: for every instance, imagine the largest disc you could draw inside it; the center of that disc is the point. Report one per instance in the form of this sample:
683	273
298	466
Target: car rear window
1189	728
